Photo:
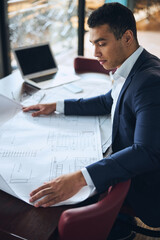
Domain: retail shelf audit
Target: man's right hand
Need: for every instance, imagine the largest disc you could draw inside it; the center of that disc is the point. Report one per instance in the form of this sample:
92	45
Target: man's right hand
41	109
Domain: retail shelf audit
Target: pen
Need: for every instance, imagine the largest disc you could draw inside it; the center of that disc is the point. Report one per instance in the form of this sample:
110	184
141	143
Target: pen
13	96
41	98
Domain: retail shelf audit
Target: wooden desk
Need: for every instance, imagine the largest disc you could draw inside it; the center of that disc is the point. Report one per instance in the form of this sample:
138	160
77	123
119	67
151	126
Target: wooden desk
9	236
16	216
27	222
24	220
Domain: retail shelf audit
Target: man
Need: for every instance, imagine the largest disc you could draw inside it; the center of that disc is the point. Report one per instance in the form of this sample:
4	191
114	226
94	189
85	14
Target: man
134	104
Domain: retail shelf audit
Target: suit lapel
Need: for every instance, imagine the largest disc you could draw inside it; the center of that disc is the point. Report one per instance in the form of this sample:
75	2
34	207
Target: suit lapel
144	55
116	114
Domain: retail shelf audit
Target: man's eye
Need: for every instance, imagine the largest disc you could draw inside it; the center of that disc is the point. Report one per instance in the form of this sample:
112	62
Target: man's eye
102	44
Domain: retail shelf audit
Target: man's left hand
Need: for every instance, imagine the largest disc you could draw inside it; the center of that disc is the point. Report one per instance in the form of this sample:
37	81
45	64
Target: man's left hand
57	190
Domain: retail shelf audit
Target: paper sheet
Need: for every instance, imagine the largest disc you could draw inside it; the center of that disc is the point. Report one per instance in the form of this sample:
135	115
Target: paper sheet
36	150
56	144
8	108
86	83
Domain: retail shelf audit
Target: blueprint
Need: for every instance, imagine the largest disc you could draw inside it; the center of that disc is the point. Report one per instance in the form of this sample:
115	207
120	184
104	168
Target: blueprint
36	150
89	85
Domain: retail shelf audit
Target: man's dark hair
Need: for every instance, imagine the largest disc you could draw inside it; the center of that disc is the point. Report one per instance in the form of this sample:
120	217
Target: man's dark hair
117	16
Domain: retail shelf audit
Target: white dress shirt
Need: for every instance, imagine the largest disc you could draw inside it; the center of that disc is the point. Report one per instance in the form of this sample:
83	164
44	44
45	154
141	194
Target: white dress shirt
118	79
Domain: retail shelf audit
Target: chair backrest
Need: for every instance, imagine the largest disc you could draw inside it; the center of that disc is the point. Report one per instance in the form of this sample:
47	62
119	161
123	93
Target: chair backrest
93	221
83	64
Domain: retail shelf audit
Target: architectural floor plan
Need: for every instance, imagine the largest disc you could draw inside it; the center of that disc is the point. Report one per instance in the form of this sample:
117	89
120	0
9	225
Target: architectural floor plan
36	150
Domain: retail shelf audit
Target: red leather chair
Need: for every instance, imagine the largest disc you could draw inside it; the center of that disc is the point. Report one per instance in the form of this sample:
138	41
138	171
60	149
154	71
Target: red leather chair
93	222
83	64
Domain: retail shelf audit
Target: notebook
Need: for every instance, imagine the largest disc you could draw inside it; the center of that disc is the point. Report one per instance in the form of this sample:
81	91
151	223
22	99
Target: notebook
38	66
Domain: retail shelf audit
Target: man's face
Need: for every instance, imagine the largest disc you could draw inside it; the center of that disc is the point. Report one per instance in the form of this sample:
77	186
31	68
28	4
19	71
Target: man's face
109	51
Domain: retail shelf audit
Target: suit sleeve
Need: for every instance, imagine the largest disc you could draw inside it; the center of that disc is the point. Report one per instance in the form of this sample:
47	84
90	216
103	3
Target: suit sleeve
144	155
95	106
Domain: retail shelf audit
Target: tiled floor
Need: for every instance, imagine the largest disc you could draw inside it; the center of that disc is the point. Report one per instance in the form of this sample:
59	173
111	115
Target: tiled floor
142	237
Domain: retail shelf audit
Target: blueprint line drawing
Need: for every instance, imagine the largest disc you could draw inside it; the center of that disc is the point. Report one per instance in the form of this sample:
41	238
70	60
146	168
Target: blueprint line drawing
18	176
17	154
37	151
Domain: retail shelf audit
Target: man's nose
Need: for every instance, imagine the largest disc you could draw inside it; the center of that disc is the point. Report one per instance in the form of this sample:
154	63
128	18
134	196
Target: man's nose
97	52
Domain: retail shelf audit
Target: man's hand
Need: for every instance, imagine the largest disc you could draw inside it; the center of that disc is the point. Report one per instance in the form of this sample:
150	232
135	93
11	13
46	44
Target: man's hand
41	109
58	189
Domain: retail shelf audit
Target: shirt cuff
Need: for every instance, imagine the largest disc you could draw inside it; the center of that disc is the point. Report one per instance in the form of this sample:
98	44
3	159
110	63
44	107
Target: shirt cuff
87	177
60	106
89	182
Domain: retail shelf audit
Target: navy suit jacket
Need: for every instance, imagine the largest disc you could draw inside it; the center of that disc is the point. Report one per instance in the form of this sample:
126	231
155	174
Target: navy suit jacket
135	137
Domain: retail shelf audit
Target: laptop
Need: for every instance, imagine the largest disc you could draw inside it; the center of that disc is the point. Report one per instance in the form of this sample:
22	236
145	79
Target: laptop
38	67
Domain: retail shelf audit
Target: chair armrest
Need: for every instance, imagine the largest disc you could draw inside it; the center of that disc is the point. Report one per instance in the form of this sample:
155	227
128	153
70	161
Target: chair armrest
93	221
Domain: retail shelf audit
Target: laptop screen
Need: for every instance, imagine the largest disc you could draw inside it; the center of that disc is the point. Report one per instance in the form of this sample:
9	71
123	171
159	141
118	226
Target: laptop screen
35	59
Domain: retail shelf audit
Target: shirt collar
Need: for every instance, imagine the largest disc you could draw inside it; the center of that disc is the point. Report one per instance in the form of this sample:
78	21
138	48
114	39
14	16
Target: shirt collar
125	68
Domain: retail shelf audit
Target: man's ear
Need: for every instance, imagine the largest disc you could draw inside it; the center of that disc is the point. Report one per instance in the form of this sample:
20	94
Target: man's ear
128	38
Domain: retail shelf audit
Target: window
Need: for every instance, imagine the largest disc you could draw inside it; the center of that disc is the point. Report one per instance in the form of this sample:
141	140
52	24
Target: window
147	15
38	21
